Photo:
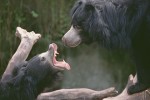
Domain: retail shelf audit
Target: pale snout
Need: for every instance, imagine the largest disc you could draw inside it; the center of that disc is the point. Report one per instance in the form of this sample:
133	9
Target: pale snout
72	38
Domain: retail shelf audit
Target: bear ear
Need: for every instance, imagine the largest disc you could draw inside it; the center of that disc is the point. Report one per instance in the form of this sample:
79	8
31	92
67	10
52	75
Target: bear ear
89	7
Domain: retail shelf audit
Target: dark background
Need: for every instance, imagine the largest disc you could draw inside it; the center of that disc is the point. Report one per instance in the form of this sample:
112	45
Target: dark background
91	65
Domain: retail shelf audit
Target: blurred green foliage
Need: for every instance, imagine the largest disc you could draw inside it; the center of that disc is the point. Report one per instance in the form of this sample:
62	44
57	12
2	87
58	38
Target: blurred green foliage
47	17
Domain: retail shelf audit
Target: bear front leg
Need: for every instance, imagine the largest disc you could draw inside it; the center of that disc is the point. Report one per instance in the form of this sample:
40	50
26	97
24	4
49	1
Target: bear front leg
141	83
28	39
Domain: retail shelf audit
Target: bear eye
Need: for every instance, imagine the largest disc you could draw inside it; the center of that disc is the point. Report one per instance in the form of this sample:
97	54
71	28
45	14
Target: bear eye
77	27
80	2
43	59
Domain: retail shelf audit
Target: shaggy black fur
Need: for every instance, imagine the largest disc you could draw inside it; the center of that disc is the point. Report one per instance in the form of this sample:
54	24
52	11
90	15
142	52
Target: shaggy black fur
29	79
121	24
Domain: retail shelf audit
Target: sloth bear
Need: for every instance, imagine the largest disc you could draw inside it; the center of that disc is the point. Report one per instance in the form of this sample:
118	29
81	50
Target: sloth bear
30	78
115	24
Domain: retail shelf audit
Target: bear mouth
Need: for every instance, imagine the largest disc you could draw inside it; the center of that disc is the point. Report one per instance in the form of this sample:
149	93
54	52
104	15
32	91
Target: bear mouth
58	64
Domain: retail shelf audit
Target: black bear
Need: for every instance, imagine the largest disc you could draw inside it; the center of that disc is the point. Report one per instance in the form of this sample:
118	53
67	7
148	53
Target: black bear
123	24
30	78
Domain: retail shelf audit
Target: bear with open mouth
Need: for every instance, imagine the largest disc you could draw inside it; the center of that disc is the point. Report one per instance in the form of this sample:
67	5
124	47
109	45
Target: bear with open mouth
30	78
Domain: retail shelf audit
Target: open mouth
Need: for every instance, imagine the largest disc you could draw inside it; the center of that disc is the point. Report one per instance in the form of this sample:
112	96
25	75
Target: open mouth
58	64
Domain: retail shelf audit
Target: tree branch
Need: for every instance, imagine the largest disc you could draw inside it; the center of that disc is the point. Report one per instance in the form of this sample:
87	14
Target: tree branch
144	95
87	94
27	41
77	94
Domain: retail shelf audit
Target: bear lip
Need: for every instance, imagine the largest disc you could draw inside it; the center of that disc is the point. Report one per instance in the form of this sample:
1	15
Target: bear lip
58	64
74	45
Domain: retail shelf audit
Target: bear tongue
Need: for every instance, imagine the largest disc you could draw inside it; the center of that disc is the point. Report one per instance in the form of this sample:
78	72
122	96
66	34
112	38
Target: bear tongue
61	64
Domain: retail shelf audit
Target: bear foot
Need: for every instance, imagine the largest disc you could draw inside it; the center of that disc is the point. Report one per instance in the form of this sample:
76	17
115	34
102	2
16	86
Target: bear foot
137	87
